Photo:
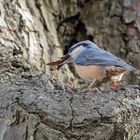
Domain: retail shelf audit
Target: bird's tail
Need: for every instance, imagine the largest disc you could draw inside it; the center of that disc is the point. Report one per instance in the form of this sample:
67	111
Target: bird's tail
59	63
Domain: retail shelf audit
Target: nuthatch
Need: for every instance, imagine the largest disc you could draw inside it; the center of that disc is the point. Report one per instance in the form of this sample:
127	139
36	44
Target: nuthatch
94	64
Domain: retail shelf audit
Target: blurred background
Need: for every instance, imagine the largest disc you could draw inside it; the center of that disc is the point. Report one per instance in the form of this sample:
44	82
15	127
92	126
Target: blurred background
113	25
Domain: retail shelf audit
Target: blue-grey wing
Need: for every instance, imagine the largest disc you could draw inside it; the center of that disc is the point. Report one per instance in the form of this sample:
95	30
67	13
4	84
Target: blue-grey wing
97	56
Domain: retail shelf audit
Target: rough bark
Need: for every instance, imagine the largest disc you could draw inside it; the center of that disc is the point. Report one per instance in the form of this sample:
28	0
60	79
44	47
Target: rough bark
35	106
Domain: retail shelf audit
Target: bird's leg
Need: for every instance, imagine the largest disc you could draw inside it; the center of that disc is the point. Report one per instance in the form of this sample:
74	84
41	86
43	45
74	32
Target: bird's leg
90	88
93	82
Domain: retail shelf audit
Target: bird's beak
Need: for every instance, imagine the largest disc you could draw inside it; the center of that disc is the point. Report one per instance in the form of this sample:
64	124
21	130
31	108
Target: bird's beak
68	60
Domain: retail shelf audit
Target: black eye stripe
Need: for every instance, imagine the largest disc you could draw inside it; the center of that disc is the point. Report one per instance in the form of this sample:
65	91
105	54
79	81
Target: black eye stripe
84	44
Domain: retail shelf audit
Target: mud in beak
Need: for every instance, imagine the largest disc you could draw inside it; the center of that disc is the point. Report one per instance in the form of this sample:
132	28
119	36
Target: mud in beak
59	63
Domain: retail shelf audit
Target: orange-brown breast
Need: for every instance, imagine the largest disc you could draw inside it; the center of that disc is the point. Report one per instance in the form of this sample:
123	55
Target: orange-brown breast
91	73
98	73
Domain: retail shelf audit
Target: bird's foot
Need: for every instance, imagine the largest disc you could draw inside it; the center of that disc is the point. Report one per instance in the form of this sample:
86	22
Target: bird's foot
90	90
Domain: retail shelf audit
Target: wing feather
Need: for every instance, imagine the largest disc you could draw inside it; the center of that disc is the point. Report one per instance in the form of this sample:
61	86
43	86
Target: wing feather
97	56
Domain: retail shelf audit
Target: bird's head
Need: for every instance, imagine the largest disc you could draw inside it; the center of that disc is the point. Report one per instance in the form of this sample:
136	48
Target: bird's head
79	47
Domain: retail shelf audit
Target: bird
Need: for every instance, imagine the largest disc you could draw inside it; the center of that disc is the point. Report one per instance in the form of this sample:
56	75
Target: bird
94	64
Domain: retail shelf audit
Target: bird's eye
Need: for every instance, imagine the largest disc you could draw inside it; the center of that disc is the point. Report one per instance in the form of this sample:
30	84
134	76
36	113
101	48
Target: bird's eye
88	46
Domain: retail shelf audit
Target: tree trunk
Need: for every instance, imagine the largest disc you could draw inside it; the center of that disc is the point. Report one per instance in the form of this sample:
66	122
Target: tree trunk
34	106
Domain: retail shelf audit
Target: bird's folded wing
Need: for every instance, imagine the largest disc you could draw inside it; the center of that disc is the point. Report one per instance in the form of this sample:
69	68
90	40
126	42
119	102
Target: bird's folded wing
97	56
